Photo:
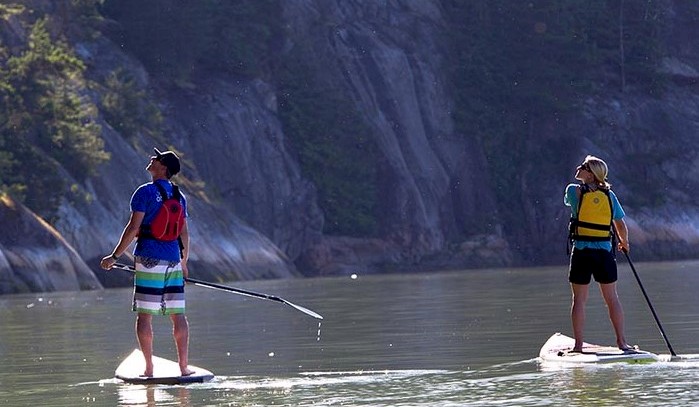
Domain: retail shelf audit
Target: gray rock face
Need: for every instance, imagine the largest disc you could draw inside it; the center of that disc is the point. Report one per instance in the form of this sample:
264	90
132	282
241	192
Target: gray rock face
34	257
253	214
386	57
231	133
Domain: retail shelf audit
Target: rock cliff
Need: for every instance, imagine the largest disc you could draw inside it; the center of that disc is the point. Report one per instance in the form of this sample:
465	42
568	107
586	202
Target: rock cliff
34	257
254	214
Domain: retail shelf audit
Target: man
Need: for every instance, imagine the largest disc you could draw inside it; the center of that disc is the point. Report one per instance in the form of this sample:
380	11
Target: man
161	260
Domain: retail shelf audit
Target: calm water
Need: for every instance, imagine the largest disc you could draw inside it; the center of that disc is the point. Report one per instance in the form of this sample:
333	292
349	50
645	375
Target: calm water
458	338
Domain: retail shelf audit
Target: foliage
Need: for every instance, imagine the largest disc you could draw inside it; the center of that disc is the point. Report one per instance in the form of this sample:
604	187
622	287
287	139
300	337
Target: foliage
46	120
164	35
241	36
519	68
176	38
127	108
335	148
10	9
86	8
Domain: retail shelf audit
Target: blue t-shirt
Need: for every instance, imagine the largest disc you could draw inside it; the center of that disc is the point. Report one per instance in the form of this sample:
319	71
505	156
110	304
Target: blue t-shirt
571	199
147	199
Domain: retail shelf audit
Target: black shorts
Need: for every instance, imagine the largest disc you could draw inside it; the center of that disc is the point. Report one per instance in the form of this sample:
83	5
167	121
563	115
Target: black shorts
585	263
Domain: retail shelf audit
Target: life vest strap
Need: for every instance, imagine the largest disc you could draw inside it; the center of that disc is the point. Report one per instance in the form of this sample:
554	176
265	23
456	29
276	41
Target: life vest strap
574	236
578	238
589	225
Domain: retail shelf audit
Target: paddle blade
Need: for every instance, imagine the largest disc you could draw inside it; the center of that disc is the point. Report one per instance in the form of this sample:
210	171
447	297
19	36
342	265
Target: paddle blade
304	310
234	290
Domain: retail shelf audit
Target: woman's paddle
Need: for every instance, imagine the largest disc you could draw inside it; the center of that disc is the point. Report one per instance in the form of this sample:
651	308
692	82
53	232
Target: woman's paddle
643	290
652	310
233	290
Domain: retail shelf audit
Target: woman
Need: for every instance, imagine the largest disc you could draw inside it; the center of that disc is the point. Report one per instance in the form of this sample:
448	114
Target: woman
596	216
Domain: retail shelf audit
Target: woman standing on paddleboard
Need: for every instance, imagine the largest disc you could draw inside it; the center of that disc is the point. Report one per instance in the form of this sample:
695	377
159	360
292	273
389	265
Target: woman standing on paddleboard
596	215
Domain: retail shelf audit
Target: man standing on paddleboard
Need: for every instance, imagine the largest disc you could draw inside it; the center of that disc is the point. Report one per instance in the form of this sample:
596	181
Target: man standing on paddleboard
158	222
596	221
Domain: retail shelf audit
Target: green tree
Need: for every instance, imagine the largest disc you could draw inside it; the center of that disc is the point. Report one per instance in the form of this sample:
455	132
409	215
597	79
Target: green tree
241	36
520	67
47	121
167	36
127	108
175	39
335	148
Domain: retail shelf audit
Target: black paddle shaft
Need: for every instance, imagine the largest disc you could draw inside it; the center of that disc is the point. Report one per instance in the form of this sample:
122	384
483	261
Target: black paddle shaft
236	291
652	310
645	295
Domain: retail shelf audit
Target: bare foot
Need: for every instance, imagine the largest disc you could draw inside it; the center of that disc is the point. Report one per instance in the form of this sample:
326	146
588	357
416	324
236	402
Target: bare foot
148	372
186	371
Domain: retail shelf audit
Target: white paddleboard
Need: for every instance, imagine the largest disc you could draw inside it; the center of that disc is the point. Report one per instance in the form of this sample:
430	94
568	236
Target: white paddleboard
558	350
164	371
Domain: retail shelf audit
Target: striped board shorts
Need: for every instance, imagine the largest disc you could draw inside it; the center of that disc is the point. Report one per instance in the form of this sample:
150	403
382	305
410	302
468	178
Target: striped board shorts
158	287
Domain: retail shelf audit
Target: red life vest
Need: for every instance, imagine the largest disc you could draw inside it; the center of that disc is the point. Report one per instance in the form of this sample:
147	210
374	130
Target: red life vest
168	222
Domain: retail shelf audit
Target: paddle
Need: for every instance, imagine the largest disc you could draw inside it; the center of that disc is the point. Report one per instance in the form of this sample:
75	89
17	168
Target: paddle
652	310
643	290
234	290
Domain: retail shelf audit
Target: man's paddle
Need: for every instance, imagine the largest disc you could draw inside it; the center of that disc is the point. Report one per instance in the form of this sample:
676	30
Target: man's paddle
234	290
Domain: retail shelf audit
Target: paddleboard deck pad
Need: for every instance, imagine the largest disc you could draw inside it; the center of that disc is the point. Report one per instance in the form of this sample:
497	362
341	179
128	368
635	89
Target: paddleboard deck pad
558	349
164	371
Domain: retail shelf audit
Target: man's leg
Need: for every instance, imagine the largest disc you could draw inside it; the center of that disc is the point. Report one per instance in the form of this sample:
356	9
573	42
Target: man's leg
180	331
144	332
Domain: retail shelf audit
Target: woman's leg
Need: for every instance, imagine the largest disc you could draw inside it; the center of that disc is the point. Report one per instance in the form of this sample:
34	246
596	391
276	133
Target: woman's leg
577	313
616	313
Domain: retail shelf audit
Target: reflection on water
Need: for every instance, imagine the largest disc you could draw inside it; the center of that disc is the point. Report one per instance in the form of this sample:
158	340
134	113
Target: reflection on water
518	384
461	338
152	396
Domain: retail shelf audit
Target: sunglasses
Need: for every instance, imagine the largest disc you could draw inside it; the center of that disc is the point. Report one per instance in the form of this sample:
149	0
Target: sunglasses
585	166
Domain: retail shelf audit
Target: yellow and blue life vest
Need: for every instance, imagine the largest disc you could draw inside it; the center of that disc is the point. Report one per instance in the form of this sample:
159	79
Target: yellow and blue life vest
593	222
